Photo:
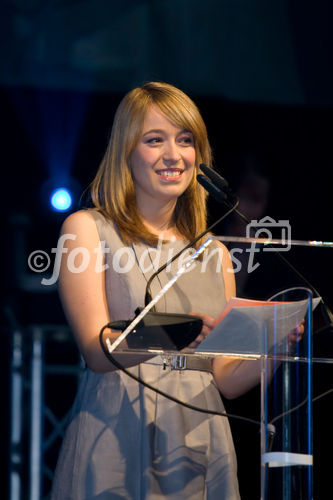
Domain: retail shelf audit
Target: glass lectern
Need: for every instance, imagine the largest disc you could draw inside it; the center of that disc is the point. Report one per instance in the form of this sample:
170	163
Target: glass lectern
276	333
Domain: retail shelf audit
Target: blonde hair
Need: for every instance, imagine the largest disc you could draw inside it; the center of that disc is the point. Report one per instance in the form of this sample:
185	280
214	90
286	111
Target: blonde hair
112	190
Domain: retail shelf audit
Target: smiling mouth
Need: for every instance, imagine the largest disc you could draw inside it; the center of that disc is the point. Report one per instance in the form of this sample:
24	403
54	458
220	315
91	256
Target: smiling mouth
170	173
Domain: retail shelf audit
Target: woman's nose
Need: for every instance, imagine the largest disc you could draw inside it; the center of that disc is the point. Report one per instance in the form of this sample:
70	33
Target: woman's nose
171	152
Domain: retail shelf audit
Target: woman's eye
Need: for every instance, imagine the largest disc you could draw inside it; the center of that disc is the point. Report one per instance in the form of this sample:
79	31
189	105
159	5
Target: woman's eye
154	140
187	139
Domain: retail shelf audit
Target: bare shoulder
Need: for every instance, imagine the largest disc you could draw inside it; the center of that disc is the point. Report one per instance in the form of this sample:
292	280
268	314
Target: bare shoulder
80	228
78	221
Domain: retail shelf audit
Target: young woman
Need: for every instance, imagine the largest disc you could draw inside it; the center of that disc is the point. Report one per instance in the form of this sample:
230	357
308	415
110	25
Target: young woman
125	441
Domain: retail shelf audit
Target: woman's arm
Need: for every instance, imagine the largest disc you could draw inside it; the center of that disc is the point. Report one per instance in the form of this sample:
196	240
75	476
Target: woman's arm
83	293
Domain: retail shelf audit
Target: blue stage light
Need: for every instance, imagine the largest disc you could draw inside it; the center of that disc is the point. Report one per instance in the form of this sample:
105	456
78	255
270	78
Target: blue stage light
61	200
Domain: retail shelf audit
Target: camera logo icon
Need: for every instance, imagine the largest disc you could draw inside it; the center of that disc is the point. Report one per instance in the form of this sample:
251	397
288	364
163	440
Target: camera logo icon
265	228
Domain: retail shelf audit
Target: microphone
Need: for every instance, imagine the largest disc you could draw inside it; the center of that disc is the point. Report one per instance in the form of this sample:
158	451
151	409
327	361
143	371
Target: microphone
218	187
216	178
213	190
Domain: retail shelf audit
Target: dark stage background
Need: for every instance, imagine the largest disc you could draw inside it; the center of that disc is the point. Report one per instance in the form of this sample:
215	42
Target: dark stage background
261	74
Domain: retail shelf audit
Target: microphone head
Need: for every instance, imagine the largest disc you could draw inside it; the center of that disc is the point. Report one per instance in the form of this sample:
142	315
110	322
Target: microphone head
216	193
216	178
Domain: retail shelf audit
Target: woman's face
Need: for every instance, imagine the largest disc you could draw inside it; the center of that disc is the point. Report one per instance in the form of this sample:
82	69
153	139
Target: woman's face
162	162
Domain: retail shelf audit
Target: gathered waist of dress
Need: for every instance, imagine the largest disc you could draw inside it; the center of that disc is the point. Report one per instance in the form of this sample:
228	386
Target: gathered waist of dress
179	362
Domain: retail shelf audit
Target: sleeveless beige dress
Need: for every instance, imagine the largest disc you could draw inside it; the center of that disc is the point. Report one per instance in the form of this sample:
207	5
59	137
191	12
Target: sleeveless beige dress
125	441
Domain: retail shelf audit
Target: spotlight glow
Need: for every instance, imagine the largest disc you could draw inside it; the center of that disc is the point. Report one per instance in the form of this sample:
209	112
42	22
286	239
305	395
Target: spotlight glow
61	200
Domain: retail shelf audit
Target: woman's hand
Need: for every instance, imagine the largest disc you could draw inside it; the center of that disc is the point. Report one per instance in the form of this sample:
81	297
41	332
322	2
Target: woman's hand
208	324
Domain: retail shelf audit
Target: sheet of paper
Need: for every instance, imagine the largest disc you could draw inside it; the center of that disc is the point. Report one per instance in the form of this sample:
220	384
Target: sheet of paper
255	329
